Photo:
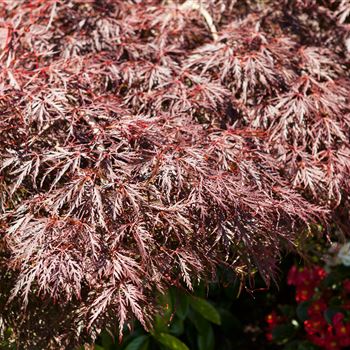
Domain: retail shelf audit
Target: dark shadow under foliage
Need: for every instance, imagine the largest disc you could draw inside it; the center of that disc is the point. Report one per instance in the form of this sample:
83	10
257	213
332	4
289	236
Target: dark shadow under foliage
145	143
242	315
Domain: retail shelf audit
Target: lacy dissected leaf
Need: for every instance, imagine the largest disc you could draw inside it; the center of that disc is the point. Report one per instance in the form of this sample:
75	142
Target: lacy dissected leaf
145	143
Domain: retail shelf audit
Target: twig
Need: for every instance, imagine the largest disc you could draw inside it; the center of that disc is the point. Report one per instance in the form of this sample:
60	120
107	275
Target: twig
195	5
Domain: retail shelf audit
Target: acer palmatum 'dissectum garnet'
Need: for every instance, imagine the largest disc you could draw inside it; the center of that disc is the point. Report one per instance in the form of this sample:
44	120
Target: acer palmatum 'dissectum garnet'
145	143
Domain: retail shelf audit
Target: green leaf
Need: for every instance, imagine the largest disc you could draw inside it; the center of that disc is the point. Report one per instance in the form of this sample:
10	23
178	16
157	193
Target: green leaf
201	324
232	290
283	333
329	280
292	345
177	326
182	305
162	320
107	340
229	322
145	345
137	343
98	347
170	341
329	314
306	345
206	341
190	332
287	310
302	310
300	345
205	309
166	301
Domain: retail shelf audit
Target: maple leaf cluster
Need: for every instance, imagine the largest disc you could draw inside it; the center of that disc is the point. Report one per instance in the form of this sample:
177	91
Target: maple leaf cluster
145	143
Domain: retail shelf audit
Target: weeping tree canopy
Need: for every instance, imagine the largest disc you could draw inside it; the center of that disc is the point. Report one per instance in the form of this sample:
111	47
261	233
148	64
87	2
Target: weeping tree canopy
145	143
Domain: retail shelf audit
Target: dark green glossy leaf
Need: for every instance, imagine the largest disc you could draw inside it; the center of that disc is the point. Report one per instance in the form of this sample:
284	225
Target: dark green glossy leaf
292	345
201	324
162	320
206	341
170	341
145	345
229	322
330	280
190	332
306	345
205	309
300	345
177	326
181	305
137	343
329	314
287	310
302	310
283	333
98	347
107	340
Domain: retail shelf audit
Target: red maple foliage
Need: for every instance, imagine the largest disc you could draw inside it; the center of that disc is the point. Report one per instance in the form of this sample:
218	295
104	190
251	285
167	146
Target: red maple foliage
145	143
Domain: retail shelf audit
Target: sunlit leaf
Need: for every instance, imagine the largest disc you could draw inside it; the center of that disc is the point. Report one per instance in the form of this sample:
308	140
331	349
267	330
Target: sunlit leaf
207	310
171	342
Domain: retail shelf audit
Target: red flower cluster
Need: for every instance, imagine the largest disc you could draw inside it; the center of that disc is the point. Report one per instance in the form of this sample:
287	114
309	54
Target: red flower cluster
333	335
305	280
328	336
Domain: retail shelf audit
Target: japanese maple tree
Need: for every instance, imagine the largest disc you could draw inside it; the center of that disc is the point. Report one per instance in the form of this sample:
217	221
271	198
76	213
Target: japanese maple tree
145	143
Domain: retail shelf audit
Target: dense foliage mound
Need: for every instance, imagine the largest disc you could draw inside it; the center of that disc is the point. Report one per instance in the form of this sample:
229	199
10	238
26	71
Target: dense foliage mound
145	143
